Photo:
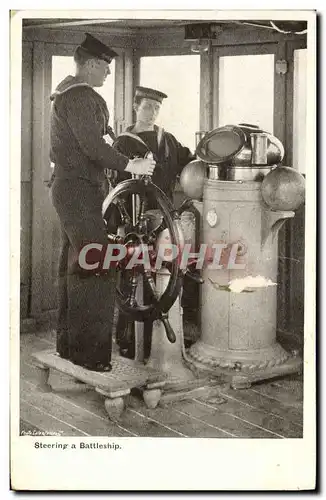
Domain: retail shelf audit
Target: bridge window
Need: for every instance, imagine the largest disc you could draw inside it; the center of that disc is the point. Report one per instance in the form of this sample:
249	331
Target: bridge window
179	77
246	90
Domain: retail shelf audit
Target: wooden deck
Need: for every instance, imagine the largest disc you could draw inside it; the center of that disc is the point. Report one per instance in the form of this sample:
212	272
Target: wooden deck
267	410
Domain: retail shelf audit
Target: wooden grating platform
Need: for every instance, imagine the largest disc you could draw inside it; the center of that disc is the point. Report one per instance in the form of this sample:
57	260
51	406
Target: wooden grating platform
271	409
126	374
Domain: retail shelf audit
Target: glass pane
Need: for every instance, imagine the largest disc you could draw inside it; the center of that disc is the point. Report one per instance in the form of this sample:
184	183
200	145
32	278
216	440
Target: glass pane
63	66
246	93
179	78
299	110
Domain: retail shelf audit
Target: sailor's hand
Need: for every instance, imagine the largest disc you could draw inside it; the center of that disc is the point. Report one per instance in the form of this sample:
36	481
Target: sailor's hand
141	166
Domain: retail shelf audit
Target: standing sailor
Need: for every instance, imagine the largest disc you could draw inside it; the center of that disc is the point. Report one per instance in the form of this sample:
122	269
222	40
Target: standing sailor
141	138
79	122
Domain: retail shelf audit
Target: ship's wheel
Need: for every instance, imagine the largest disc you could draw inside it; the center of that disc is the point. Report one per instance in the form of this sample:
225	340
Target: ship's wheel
127	202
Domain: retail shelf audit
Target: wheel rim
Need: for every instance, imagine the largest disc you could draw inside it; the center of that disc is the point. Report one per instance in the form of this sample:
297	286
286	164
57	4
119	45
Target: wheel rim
166	300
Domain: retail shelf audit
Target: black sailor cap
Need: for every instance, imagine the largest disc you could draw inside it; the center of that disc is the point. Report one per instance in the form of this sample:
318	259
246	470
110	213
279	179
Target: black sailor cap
150	93
97	49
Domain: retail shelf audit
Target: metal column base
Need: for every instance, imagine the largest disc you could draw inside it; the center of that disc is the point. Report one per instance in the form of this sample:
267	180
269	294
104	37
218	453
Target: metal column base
243	368
180	381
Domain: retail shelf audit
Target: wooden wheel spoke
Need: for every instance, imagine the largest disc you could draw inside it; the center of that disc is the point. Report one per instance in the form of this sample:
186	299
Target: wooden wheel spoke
132	302
151	284
141	224
126	219
127	288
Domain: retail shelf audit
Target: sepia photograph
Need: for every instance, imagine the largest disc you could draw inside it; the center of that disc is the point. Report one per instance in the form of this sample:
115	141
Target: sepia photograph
164	280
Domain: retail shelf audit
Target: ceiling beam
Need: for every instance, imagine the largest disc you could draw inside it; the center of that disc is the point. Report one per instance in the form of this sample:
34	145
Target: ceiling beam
64	24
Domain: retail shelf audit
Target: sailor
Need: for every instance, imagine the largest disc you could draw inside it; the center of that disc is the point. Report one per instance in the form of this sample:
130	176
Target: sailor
145	136
80	154
140	139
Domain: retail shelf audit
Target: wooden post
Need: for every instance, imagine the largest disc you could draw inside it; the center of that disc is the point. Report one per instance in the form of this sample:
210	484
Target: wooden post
291	227
129	87
215	88
42	295
37	177
26	179
206	90
280	87
283	130
119	94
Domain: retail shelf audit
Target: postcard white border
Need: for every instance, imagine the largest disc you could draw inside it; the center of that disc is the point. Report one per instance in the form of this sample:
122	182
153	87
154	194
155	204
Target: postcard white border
164	463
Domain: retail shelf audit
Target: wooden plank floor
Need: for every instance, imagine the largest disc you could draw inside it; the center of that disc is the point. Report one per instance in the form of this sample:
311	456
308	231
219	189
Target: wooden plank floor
272	410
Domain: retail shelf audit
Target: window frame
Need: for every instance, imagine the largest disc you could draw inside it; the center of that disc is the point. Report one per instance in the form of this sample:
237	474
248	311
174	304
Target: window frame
229	51
270	76
291	46
167	53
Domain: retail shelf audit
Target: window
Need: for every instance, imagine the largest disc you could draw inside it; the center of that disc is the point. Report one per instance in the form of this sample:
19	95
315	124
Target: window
63	66
179	77
246	90
299	110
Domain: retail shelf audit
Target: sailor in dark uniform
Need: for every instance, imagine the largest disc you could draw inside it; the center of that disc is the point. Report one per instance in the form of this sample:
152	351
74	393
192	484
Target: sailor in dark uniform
80	153
141	138
145	136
